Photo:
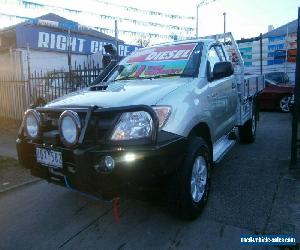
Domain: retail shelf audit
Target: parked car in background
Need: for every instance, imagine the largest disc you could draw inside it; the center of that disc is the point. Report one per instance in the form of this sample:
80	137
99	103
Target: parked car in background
278	77
277	93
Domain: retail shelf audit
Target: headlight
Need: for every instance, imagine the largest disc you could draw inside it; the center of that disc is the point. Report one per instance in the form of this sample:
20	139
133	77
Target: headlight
32	122
163	113
69	127
133	125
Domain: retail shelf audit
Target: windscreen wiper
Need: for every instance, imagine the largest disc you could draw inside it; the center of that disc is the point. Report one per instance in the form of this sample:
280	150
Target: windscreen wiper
169	75
153	77
129	78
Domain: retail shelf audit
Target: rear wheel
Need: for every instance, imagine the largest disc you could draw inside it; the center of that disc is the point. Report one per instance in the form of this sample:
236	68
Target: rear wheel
247	132
284	103
189	187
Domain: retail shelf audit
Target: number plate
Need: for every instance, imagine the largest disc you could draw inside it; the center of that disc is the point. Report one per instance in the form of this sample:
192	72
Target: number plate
49	157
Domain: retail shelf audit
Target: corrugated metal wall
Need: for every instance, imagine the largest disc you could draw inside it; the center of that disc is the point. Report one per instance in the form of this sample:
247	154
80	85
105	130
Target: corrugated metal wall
11	63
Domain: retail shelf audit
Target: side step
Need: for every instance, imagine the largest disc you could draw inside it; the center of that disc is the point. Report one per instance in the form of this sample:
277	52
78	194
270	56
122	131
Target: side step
222	146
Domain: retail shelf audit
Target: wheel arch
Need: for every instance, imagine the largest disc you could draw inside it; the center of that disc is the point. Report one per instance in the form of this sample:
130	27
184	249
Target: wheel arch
284	94
256	105
202	130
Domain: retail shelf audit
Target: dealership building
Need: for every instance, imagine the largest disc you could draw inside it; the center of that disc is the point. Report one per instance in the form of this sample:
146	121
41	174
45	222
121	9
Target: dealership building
51	42
279	49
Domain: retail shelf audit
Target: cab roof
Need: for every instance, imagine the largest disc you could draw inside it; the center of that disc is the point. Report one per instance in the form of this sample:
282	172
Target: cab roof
204	41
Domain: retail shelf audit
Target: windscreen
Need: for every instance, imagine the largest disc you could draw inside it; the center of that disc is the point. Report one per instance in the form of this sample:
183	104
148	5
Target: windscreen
181	60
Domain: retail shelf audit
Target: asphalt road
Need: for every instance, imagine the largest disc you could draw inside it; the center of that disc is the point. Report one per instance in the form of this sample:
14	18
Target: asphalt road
248	190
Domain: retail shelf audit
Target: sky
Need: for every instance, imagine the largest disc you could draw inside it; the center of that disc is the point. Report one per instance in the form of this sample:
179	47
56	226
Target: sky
244	18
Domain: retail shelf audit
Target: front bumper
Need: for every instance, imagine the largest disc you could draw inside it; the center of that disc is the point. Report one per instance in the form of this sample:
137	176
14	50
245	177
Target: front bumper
150	165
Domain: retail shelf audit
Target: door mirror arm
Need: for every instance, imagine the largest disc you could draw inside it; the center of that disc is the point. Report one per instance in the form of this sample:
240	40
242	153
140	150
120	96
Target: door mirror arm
209	75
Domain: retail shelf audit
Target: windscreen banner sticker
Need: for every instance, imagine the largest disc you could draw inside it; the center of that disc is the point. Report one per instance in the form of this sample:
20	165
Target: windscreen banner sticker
158	61
163	53
151	69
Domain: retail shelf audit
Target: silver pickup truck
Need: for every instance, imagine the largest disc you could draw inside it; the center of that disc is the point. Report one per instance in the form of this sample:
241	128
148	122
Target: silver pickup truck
163	115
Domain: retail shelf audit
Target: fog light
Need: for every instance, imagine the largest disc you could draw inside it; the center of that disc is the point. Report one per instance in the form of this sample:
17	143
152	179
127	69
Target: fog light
129	157
109	162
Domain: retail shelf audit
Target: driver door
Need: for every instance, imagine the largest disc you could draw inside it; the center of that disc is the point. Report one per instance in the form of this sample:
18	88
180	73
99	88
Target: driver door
223	96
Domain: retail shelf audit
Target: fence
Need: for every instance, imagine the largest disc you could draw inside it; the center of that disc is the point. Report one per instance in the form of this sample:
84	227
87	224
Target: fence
14	98
16	95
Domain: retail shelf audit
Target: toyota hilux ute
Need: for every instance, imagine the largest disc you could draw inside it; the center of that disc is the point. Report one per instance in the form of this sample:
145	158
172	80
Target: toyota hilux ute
164	114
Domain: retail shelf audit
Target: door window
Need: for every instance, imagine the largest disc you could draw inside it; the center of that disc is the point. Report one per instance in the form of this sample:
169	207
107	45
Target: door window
212	58
220	53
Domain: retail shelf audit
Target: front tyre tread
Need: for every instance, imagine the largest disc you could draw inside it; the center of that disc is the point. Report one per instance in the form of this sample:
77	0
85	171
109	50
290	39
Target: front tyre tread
182	202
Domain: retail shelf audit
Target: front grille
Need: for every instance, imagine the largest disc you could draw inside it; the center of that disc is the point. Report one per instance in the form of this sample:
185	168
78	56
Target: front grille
98	131
101	126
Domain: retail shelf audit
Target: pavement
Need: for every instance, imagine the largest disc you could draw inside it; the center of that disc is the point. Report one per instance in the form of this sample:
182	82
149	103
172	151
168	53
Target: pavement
11	174
8	136
253	192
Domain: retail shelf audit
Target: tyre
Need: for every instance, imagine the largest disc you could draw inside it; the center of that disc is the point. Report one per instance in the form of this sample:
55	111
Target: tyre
189	187
248	131
284	103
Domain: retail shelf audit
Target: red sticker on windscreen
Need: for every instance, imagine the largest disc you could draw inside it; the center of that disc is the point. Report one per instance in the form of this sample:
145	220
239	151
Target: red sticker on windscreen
163	53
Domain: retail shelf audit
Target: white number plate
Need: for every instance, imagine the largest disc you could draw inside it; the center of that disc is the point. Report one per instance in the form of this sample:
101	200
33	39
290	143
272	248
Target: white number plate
49	157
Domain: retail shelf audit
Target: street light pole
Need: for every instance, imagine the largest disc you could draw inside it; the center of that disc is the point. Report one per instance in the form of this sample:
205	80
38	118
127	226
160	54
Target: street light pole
201	3
224	14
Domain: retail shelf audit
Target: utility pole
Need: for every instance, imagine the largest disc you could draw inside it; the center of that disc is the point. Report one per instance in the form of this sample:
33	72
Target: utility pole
286	48
69	58
69	51
28	74
116	39
28	62
261	53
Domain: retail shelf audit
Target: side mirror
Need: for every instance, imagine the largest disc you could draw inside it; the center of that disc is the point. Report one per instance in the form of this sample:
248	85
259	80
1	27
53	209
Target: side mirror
222	69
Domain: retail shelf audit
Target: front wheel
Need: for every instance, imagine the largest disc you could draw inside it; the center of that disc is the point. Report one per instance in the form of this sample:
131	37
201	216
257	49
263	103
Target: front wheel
284	103
247	132
190	185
